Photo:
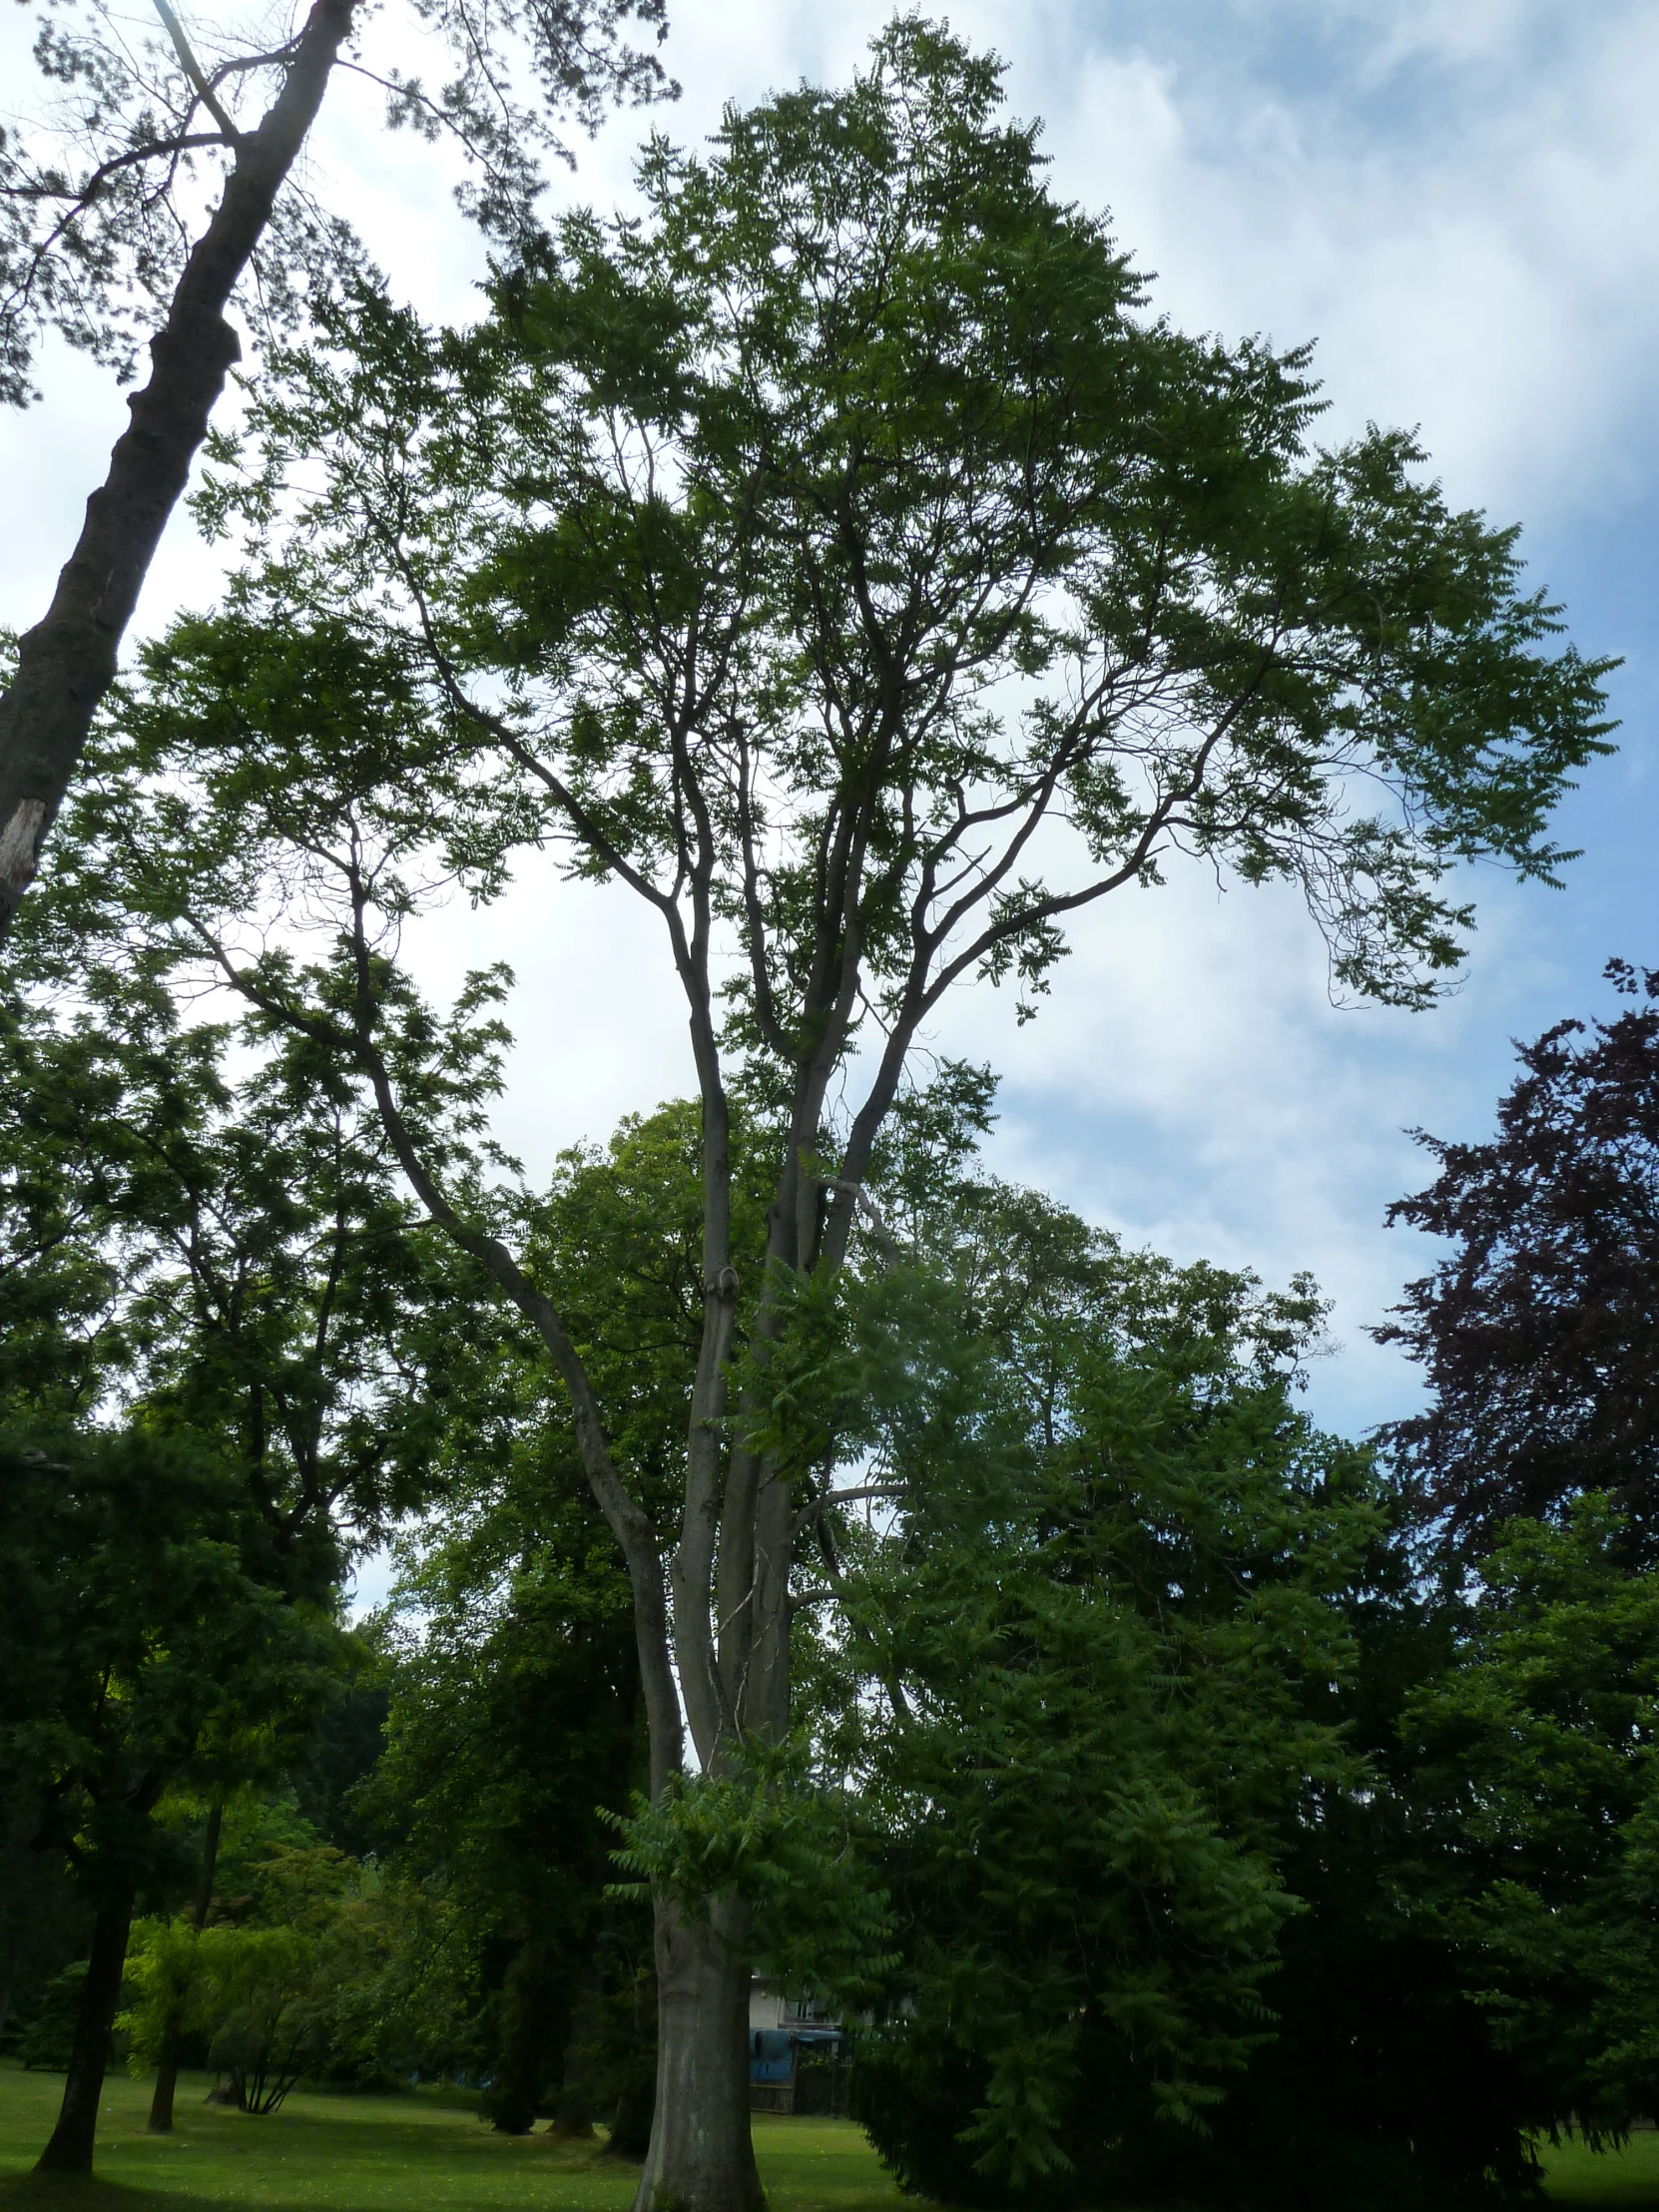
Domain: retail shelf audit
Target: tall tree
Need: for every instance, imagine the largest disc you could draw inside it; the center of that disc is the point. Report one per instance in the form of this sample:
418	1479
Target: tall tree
1537	1788
219	1259
153	1634
98	207
1538	1332
838	560
1084	1718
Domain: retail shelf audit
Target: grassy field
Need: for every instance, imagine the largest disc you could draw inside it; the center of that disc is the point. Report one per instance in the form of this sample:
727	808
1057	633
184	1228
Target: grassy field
414	2154
1629	2177
378	2155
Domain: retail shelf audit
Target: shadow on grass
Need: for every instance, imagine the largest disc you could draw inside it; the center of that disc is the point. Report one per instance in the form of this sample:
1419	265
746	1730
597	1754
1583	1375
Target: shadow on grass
91	2193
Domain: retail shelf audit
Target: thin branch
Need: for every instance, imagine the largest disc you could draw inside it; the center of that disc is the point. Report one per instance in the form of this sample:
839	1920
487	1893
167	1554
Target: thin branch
192	70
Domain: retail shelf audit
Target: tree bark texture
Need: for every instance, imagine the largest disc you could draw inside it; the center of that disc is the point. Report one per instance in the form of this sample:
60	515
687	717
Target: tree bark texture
67	662
636	2105
535	2022
166	2069
160	2121
573	2108
702	2158
70	2150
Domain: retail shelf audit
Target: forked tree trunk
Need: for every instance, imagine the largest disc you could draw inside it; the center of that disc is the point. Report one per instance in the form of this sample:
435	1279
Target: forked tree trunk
70	2150
702	2157
67	662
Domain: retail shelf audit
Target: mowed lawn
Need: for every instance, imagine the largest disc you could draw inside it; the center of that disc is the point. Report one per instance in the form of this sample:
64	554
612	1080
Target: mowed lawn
379	2154
405	2154
1628	2177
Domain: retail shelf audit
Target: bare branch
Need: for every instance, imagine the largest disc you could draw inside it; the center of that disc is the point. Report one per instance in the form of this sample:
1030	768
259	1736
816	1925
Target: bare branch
192	70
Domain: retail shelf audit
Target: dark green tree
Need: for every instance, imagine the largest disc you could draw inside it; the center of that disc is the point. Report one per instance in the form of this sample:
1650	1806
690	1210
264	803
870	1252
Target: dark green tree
799	559
1537	1785
221	1261
152	1635
1085	1698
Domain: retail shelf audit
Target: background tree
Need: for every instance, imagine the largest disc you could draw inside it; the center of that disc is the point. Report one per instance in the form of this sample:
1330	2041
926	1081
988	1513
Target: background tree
515	1713
514	1719
1105	1701
102	229
224	1264
1535	1749
1538	1332
1376	2083
226	1253
152	1635
830	558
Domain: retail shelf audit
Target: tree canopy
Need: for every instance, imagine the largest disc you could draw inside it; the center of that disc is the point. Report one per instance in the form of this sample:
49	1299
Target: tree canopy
1537	1331
841	559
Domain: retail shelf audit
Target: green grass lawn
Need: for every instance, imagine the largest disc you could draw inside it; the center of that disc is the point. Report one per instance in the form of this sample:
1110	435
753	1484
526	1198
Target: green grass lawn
378	2155
1628	2177
419	2154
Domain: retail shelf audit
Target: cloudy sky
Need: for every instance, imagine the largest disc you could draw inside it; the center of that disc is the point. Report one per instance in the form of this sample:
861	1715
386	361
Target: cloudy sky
1459	200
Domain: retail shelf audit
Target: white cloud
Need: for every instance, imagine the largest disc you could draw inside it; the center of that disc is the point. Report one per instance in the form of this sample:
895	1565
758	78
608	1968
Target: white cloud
1461	199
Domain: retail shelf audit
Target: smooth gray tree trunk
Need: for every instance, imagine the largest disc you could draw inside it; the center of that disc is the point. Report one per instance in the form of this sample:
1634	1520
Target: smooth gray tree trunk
702	2155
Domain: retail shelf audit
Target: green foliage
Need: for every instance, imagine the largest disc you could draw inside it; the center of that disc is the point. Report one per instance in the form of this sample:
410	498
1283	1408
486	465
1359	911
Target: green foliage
1535	1752
216	1236
618	1241
150	1633
49	2038
771	1833
1083	1720
309	1964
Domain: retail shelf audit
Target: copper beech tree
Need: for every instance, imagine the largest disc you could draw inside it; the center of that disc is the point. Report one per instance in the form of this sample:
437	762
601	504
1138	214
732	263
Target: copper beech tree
1539	1329
840	560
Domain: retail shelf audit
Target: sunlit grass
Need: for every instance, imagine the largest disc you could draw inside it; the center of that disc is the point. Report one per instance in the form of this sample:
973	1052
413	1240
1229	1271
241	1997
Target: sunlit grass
1629	2177
424	2154
379	2154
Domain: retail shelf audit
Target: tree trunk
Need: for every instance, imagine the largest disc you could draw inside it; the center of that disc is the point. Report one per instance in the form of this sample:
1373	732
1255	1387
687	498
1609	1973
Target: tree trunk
702	2157
573	2108
70	2150
535	2021
636	2104
167	2082
166	2069
67	662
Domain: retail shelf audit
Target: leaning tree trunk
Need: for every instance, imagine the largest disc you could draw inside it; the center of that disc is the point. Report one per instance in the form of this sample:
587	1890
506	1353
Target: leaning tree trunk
702	2157
70	2150
67	662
